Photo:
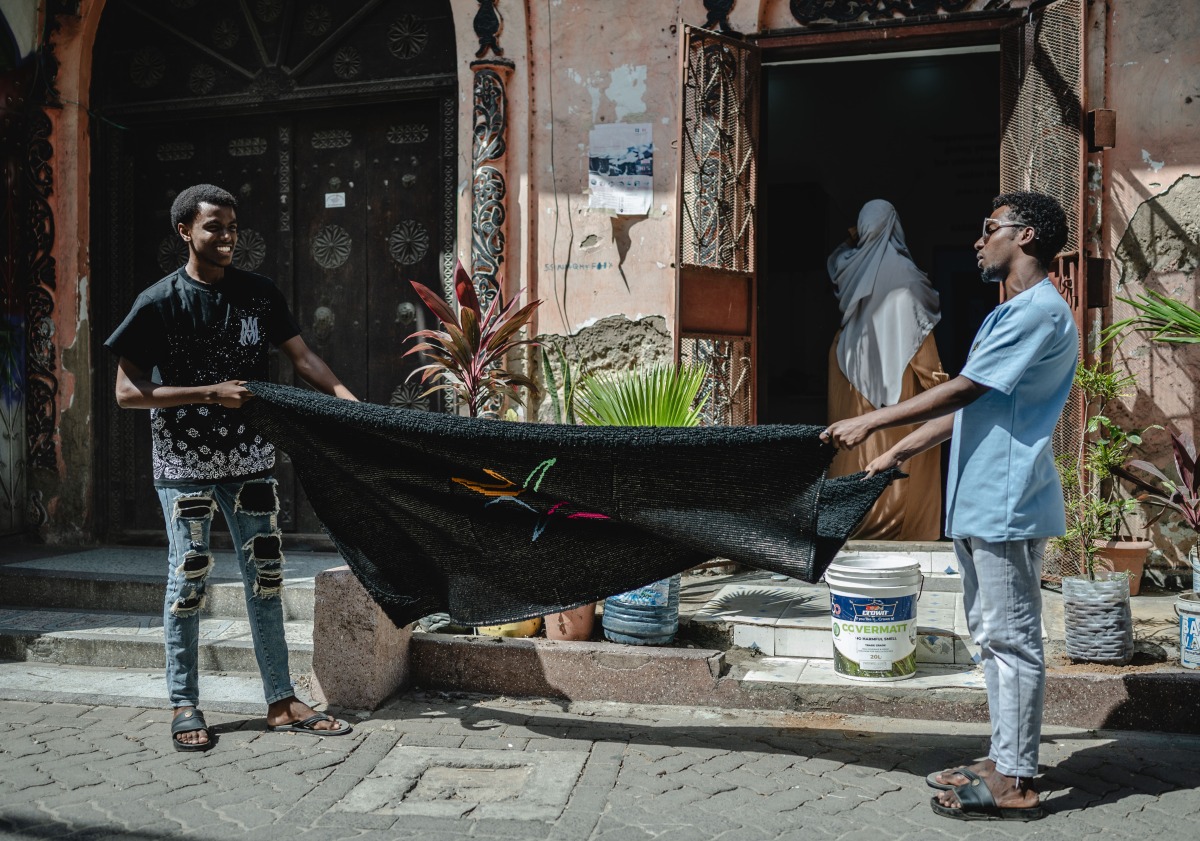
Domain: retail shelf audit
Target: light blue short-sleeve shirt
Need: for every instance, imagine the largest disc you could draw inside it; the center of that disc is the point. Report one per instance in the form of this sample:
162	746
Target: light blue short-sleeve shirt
1003	484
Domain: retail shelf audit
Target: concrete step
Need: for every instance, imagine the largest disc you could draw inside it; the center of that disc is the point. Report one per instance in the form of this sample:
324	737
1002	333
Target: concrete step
230	692
131	579
133	640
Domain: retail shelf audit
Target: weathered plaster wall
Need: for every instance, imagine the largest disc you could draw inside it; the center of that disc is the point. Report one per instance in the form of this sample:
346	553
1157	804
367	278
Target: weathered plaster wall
615	343
1152	210
593	63
67	491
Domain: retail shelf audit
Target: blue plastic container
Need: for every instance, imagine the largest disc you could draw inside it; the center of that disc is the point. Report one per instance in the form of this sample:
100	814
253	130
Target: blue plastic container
646	616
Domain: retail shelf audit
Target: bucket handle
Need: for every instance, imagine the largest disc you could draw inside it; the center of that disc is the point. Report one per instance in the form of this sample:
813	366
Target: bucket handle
921	589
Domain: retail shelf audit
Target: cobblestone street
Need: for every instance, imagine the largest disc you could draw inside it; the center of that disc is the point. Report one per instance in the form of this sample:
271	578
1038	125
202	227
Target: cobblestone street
440	767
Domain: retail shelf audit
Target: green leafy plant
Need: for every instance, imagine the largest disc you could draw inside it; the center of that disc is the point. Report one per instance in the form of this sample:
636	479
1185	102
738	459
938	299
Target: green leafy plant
1181	494
1161	318
564	408
661	395
1097	508
468	356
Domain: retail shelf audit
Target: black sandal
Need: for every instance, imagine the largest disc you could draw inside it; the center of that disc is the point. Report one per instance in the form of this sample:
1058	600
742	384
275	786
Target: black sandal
975	803
189	720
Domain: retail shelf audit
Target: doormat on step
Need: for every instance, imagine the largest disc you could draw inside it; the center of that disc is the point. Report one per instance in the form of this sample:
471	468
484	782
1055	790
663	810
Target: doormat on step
495	521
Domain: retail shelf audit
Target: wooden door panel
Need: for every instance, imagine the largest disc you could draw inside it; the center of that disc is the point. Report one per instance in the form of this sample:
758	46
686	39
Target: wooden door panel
403	244
236	155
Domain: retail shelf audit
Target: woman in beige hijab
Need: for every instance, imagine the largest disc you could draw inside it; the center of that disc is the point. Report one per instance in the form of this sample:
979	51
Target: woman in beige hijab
883	354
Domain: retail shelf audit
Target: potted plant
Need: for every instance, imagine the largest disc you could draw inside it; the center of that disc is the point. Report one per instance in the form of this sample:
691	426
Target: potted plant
467	358
1180	495
577	623
662	395
1105	449
1096	613
1171	322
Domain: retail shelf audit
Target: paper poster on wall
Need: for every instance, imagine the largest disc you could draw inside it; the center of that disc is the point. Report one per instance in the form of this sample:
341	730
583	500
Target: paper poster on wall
621	167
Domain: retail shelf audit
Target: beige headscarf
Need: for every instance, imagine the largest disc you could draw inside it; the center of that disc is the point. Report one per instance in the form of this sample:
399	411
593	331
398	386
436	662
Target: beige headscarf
888	305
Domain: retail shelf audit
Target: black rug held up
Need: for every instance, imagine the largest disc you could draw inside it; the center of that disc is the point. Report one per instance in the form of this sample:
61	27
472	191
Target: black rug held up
496	521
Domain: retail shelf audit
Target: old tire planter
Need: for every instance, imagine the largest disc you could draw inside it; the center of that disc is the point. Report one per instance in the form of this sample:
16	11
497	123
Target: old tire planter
1099	624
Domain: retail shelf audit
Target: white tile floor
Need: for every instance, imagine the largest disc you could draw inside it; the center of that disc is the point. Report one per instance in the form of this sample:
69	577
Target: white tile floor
789	622
793	621
788	670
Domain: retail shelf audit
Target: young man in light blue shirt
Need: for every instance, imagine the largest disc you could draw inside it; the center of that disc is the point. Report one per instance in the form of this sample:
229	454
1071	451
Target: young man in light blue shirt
1003	498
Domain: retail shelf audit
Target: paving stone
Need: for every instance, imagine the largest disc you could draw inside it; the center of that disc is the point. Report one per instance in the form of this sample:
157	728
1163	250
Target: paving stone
431	740
494	743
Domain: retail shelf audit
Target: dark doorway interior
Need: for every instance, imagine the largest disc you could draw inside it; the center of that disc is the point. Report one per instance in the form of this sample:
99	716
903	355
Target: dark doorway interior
920	130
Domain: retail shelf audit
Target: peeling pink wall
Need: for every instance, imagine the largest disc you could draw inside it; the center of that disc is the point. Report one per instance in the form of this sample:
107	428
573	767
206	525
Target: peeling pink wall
592	63
67	492
1153	203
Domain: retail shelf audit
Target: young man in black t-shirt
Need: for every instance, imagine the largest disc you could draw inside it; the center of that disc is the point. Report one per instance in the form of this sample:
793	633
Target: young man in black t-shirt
204	331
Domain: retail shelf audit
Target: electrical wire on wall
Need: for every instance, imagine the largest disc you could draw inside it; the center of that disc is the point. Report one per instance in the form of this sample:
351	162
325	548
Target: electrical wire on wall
559	302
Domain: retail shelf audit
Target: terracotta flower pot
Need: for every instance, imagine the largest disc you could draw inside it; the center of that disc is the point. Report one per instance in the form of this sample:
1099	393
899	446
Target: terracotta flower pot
1124	556
525	628
573	624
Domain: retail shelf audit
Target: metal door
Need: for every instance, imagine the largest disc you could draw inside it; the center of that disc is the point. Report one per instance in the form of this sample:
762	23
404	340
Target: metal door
1042	149
716	273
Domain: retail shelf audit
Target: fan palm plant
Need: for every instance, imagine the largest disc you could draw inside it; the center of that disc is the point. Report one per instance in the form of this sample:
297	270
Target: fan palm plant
661	395
467	356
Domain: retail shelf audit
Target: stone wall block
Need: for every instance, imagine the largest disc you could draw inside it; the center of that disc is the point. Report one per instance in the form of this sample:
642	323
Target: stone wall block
359	657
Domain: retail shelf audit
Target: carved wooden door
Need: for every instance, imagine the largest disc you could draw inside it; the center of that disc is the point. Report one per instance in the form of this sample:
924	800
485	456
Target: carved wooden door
368	220
341	208
335	124
146	170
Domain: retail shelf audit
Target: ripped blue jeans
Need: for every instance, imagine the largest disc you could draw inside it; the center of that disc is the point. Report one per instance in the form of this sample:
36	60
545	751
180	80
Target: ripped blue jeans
251	510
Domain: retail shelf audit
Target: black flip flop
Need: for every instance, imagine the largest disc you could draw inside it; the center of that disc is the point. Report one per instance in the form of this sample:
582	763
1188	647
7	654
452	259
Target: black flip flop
188	721
975	803
306	726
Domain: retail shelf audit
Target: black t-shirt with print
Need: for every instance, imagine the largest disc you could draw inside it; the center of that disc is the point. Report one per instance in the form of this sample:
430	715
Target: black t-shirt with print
196	334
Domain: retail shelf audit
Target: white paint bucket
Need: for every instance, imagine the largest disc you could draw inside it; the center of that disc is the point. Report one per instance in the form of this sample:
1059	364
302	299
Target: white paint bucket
873	602
1187	608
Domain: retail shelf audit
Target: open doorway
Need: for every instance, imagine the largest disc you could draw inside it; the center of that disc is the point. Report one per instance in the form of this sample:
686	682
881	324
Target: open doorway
920	129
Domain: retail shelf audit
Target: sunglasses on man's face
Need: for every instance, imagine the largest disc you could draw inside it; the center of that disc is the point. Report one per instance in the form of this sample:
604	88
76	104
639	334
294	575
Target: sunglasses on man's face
990	226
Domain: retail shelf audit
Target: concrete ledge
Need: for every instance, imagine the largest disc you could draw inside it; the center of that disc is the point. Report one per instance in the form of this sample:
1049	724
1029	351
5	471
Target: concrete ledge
1162	701
578	671
359	657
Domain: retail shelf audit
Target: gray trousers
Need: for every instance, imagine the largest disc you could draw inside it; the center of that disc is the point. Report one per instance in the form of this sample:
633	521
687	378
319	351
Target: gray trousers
1003	600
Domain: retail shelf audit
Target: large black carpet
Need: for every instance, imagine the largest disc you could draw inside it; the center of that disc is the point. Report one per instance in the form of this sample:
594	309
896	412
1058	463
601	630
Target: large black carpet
496	521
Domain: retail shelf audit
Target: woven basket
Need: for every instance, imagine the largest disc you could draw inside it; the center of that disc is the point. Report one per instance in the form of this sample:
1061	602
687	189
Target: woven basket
1099	624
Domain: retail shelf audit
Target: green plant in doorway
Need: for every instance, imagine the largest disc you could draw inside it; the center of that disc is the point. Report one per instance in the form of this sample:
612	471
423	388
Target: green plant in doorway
469	356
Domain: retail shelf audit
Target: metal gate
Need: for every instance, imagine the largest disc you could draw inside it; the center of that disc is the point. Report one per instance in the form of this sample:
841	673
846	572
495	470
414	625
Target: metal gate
718	188
1042	149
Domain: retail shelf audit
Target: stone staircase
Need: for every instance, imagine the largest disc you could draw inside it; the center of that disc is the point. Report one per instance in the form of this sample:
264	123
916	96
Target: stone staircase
87	625
92	620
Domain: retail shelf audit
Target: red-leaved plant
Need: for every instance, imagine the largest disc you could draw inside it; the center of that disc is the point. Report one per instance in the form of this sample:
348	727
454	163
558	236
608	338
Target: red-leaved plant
1182	496
467	357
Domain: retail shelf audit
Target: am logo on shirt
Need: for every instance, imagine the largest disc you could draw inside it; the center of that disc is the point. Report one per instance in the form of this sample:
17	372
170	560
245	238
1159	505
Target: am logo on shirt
250	330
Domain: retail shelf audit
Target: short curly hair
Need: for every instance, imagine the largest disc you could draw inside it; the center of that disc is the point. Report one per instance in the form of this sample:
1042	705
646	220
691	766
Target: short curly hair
186	206
1042	213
